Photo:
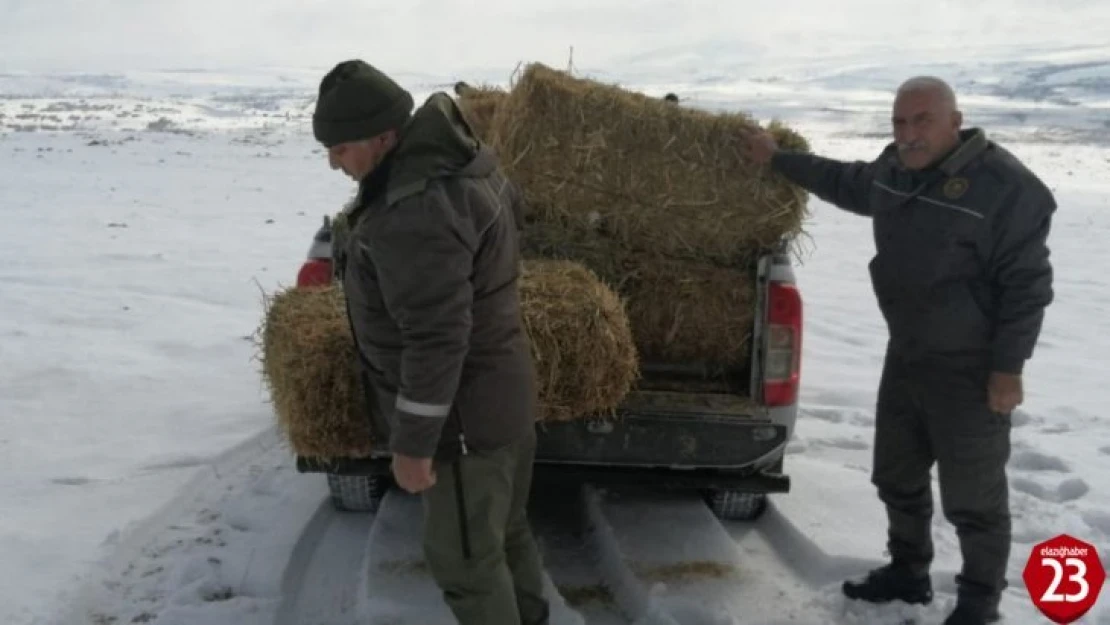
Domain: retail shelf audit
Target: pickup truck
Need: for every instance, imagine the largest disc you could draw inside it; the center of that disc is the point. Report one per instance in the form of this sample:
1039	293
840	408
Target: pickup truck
722	434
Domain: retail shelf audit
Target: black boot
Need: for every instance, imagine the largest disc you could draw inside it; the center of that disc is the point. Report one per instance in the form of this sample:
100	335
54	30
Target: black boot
967	613
891	583
975	604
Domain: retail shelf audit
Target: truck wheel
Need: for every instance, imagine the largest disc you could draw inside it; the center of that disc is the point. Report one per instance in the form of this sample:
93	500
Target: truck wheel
731	505
357	493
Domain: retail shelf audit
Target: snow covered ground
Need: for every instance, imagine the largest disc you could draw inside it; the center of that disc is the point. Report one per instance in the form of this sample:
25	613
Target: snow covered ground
145	213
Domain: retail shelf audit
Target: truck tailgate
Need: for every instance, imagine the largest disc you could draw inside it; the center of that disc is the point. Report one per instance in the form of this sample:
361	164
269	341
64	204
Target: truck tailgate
667	429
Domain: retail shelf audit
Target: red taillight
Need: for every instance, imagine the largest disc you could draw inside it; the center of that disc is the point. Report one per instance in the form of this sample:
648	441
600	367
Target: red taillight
782	363
315	272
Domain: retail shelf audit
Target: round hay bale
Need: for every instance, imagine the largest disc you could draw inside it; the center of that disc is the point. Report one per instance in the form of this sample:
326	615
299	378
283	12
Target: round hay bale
308	362
582	345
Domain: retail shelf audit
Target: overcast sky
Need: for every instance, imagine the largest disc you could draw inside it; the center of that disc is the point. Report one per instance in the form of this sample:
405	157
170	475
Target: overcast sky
442	35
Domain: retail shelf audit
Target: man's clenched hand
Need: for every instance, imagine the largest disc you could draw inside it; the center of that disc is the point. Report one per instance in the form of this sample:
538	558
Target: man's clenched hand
1005	392
413	474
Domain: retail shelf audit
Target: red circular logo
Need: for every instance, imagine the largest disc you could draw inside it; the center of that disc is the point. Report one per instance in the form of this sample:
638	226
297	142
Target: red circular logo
1064	577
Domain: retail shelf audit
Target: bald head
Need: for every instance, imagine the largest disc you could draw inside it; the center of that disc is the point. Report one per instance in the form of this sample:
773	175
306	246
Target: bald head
926	121
931	86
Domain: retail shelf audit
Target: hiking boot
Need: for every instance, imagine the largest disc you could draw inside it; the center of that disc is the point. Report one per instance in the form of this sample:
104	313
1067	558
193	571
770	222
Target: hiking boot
891	583
967	613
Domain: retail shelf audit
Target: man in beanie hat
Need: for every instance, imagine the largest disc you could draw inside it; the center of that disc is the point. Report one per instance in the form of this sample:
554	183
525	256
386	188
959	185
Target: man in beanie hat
430	271
359	112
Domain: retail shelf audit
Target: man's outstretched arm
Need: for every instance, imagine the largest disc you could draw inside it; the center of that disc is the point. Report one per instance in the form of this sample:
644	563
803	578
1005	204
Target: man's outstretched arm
843	184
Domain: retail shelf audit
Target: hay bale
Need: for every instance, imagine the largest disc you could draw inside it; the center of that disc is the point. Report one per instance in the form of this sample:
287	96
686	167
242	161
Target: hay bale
479	106
308	364
580	342
678	310
687	313
594	158
582	346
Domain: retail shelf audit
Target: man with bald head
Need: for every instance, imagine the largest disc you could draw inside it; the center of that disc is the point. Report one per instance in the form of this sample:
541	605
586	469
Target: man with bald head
963	278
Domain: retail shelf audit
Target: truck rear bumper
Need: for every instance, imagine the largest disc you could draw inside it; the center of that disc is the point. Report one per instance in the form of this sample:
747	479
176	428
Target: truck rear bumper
663	450
557	473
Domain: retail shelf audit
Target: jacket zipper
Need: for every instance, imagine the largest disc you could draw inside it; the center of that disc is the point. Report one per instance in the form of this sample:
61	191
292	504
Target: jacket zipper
460	497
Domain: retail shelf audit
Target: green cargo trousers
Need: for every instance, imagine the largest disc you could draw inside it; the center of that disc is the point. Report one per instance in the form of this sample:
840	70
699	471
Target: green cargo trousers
940	413
485	560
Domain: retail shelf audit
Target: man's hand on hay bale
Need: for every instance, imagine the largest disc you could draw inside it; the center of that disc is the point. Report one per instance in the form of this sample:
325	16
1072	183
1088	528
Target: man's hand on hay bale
759	145
413	474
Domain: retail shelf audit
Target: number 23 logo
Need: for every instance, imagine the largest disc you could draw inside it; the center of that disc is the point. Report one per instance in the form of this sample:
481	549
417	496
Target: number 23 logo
1051	594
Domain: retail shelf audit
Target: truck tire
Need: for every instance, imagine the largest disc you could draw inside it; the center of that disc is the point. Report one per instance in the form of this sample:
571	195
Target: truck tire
732	505
357	493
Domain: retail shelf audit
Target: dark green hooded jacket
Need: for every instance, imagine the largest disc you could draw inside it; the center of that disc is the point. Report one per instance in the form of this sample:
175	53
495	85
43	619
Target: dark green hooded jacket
430	271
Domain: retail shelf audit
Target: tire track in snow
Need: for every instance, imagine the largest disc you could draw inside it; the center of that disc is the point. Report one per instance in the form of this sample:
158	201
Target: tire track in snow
641	559
616	558
570	555
671	561
321	586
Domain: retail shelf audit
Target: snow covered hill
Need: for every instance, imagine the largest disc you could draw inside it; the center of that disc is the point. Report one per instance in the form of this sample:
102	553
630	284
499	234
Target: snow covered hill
145	212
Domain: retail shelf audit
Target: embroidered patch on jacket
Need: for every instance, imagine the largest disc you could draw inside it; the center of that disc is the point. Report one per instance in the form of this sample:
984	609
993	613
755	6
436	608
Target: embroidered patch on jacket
955	187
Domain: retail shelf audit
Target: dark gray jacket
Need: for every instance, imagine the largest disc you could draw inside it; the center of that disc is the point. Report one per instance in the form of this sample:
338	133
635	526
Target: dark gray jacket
430	270
962	268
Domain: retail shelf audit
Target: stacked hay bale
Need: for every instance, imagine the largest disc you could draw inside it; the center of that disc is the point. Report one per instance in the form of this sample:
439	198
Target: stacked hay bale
657	199
643	225
478	105
581	342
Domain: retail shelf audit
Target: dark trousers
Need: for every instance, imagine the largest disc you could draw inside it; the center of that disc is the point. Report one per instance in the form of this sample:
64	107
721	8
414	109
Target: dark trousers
478	541
939	413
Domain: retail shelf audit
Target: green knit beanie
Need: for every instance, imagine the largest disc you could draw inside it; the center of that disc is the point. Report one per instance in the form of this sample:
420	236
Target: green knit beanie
356	102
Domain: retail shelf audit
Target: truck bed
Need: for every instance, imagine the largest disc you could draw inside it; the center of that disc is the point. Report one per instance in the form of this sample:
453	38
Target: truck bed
690	403
678	416
695	378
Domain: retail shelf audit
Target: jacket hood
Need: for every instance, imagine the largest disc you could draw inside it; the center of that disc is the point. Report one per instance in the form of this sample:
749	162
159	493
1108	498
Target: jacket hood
437	143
